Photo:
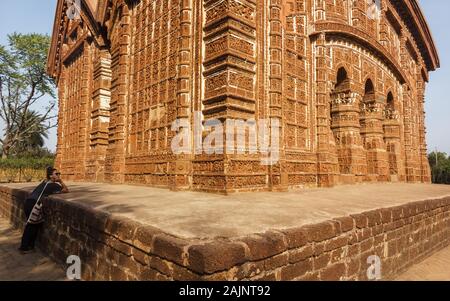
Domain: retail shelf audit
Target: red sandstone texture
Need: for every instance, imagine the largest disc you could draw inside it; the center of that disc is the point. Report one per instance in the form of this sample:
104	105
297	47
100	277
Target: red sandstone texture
347	88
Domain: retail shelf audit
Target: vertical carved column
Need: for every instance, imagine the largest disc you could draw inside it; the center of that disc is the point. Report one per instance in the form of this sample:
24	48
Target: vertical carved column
320	10
278	179
262	69
229	63
408	133
392	137
358	14
101	97
120	39
415	139
410	115
425	170
229	71
385	28
181	168
412	159
361	20
85	101
345	123
327	161
62	102
300	161
373	140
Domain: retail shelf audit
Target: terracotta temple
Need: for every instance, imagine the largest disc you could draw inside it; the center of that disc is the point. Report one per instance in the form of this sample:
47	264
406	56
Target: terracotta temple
346	79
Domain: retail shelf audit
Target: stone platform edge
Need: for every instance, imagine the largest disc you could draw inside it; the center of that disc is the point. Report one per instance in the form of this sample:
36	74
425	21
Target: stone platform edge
116	248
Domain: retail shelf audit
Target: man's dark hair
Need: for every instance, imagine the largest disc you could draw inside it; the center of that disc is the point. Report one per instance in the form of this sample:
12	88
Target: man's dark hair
50	171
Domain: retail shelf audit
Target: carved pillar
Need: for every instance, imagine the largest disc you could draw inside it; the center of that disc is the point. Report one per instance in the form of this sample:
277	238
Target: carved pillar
85	102
372	133
300	163
392	138
410	115
345	124
62	103
327	161
181	169
120	40
101	97
425	165
412	160
278	178
229	74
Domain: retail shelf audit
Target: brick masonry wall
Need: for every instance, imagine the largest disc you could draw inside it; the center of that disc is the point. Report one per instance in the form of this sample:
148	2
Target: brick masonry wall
117	248
124	79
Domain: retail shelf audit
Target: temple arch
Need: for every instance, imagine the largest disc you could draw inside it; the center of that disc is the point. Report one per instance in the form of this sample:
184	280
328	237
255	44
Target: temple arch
392	139
390	102
344	112
372	134
367	105
342	80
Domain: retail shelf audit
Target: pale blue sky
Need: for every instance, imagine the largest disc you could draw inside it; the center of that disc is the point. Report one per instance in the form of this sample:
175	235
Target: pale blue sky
37	16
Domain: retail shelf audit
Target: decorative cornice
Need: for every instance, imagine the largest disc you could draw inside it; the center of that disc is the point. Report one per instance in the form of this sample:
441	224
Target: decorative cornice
96	21
426	43
364	39
59	32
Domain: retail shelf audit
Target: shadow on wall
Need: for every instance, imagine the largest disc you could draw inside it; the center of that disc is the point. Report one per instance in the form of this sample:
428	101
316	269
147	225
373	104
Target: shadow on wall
88	196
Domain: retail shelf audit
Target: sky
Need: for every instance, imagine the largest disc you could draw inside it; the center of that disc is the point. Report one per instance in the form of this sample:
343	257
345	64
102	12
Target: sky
26	16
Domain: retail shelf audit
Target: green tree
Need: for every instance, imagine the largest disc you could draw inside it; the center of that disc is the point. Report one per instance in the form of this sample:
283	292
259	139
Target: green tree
440	167
23	84
37	135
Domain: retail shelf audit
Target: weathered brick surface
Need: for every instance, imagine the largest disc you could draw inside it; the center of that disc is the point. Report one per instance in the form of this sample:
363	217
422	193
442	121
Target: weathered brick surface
296	238
215	257
320	232
296	270
346	223
300	254
351	85
265	245
115	248
170	248
143	238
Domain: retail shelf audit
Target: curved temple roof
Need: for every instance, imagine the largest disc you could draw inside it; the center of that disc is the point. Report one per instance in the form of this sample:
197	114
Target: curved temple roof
88	8
431	55
410	8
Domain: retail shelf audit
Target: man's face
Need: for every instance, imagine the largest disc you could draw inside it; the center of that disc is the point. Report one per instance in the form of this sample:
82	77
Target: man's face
55	176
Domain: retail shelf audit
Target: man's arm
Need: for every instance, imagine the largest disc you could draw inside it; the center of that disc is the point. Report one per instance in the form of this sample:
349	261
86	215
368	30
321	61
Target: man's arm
64	187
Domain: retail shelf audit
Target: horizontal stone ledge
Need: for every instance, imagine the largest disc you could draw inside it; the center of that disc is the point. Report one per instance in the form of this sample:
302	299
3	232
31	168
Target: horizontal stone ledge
328	249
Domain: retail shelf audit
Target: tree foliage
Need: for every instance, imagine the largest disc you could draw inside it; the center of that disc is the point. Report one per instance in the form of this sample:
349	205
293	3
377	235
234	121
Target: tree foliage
24	169
23	85
440	167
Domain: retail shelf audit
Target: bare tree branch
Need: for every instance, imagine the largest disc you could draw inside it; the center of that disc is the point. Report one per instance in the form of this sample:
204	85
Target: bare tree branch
23	83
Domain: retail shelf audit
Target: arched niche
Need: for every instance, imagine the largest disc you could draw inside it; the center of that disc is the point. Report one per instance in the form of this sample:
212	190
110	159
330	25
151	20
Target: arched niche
369	92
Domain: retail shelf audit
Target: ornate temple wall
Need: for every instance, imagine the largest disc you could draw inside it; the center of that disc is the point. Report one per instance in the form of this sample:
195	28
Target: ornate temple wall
346	86
75	91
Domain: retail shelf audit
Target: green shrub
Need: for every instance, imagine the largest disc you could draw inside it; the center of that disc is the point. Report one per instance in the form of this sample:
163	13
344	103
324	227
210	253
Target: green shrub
24	169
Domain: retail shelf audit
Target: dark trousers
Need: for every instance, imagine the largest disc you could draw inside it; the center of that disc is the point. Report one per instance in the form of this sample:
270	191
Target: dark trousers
31	231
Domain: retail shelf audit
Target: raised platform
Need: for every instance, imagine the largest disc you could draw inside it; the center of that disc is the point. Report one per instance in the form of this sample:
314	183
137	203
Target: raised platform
133	232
